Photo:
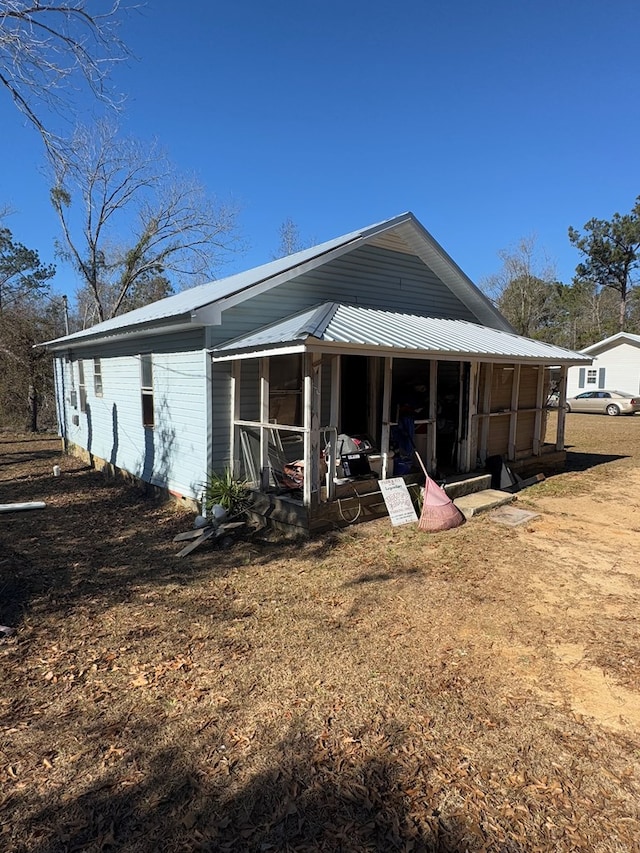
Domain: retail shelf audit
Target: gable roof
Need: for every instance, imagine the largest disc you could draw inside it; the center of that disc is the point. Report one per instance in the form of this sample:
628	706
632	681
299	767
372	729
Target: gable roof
613	341
203	305
386	332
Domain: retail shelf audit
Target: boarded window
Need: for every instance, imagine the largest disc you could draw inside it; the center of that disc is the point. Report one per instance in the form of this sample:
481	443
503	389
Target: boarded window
82	389
97	377
146	388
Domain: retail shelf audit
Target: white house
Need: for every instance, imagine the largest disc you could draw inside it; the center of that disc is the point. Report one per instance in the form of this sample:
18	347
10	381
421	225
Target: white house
373	334
616	366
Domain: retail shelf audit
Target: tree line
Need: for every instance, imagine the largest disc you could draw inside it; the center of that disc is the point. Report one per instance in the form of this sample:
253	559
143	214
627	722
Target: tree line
134	230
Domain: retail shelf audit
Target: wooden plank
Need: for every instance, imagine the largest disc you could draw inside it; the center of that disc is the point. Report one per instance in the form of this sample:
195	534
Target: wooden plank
196	543
190	534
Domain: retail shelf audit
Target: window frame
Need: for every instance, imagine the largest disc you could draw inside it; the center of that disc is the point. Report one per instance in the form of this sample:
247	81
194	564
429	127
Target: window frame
98	387
146	390
82	387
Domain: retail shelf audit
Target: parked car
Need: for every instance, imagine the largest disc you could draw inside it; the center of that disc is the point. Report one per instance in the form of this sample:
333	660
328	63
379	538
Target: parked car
604	403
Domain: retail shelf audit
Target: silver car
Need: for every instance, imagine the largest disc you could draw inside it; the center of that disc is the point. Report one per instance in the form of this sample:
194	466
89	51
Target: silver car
604	403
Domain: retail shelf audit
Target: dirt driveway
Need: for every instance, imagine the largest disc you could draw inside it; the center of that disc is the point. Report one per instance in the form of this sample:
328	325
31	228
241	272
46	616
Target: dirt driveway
376	689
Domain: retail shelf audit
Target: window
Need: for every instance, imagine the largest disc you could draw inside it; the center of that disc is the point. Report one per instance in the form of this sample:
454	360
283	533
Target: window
97	377
82	389
592	377
146	387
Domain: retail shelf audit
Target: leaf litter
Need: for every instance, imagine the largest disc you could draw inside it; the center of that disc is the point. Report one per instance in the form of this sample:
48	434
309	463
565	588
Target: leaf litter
370	690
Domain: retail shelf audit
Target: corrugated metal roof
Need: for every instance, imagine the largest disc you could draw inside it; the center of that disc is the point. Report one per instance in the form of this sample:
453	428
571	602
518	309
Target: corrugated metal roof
194	298
401	231
333	323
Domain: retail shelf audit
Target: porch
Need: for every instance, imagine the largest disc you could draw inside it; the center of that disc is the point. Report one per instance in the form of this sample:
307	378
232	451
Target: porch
292	410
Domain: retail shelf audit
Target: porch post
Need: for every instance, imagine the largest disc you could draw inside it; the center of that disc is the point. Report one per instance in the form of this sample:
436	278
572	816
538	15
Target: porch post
432	429
486	411
264	418
513	417
541	420
562	399
386	415
312	386
234	406
471	448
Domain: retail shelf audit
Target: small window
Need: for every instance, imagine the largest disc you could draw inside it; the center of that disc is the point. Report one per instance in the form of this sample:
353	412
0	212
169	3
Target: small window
146	387
592	377
82	388
97	377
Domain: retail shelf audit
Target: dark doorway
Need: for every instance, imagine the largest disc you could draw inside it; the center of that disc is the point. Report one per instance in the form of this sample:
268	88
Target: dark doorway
354	395
448	415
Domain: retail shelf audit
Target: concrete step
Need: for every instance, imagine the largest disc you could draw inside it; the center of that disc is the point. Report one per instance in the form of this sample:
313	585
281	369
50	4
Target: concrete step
471	504
464	484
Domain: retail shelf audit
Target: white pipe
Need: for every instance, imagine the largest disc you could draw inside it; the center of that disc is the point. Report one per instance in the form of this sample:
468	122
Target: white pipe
19	507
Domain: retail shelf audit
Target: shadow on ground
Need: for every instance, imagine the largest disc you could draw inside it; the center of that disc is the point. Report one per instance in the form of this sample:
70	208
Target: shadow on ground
318	794
583	461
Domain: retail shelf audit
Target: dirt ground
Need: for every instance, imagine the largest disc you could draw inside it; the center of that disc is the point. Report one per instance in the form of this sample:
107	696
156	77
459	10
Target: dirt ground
374	689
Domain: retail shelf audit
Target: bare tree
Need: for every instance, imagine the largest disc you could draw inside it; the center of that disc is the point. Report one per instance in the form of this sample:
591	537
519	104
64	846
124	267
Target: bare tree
49	52
135	222
290	240
524	287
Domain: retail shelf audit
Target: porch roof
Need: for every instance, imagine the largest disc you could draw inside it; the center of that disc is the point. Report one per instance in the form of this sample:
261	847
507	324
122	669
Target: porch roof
334	327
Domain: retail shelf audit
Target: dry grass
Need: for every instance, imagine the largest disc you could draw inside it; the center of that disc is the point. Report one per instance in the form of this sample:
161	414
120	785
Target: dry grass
375	689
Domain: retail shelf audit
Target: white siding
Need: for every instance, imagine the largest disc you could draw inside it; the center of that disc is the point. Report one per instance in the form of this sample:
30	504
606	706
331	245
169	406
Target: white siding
173	453
621	364
368	276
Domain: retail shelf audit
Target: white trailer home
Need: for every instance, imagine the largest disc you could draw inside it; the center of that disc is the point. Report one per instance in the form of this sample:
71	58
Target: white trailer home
616	366
377	335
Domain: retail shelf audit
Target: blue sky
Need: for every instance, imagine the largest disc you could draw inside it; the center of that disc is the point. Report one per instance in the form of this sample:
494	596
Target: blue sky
490	121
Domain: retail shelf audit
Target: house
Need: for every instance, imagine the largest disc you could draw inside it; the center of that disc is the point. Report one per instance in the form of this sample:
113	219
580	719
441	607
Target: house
616	366
376	335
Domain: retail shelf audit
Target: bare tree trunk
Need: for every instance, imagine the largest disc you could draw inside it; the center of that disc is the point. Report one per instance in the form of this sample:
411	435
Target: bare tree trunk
33	409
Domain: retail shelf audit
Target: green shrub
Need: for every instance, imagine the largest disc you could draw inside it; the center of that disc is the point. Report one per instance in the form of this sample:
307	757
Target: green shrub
228	491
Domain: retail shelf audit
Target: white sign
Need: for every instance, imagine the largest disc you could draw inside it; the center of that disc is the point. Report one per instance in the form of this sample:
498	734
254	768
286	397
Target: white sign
398	501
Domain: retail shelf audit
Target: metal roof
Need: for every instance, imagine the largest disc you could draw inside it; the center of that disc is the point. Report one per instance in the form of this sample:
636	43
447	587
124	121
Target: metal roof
619	337
334	324
203	304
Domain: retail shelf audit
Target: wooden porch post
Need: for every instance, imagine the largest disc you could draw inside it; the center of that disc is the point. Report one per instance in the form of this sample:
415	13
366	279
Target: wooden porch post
486	411
386	415
432	430
541	420
312	386
234	457
264	418
471	447
513	417
562	398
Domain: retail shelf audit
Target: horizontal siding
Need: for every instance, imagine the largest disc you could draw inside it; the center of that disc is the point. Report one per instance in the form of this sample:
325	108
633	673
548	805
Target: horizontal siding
173	453
368	276
622	371
221	406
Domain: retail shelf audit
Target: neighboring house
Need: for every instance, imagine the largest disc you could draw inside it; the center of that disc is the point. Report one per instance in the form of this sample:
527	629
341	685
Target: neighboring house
377	333
616	366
